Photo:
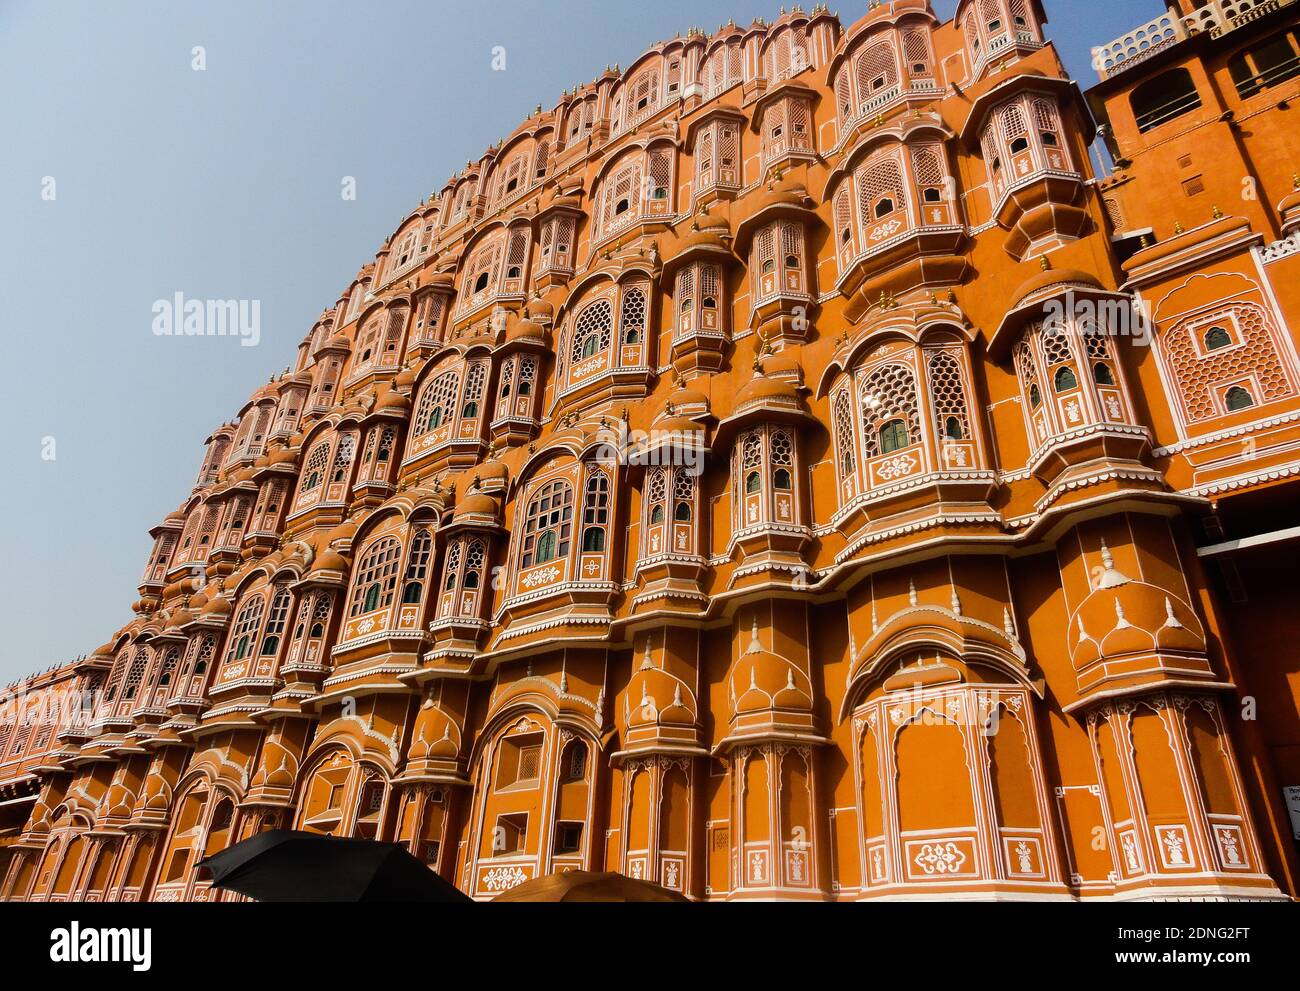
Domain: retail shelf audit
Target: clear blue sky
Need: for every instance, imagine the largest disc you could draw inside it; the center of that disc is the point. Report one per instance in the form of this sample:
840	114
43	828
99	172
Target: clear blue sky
225	184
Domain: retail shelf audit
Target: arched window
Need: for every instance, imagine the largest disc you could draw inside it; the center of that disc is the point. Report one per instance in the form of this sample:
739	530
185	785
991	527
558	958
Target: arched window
1217	337
1170	94
1102	375
591	333
548	525
376	577
1238	398
682	514
952	428
417	567
781	479
753	482
595	513
1035	396
343	458
436	403
315	467
889	409
245	630
893	436
275	622
1064	380
474	564
1266	64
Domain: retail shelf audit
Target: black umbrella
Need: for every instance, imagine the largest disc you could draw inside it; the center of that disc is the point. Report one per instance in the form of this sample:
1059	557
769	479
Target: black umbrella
285	866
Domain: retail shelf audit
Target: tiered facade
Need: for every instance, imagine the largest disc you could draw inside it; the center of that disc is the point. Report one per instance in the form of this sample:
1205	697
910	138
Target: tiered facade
741	478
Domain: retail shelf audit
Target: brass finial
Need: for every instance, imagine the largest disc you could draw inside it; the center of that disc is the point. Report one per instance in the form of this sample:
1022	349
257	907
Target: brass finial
1178	227
1218	214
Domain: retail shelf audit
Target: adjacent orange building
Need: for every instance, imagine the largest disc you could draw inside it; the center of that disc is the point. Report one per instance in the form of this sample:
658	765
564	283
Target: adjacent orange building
785	468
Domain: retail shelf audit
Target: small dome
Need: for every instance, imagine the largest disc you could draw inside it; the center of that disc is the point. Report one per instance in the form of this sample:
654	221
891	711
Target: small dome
393	400
1121	616
656	697
476	505
526	330
1052	277
329	560
763	388
216	606
763	680
405	379
539	310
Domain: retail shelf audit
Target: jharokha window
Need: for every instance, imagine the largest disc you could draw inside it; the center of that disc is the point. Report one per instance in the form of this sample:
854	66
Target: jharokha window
554	547
376	580
637	188
902	412
548	525
608	332
1023	139
764	474
450	408
1227	361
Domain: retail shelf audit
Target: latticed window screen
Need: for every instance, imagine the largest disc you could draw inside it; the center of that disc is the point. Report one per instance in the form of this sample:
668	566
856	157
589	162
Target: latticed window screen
1200	374
916	50
417	563
632	315
1012	122
1028	372
436	402
474	560
685	295
592	332
888	394
475	378
880	178
1057	349
622	197
661	173
844	444
656	492
517	254
782	452
453	565
549	524
171	660
877	70
927	165
376	577
595	512
135	675
947	395
844	96
844	215
343	459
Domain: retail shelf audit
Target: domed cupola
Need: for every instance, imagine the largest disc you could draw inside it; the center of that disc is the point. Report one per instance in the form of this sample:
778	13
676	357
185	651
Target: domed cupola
771	697
1129	633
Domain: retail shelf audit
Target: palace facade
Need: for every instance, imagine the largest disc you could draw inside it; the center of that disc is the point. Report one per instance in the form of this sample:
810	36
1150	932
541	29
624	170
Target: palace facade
789	467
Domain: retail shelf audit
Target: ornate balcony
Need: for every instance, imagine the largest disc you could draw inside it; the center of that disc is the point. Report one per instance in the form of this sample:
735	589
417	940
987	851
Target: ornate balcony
1216	18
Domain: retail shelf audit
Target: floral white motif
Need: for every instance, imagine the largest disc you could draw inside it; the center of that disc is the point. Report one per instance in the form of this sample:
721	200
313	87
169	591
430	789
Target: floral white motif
897	467
502	878
541	577
366	625
885	230
940	858
1024	857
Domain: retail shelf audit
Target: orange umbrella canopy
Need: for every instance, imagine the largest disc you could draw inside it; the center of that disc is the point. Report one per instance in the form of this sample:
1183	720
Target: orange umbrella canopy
585	886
